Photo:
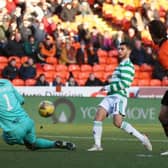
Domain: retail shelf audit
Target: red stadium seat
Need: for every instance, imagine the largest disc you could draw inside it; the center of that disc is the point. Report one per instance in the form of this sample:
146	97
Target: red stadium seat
112	60
144	82
98	67
30	82
51	60
3	60
48	67
86	67
165	82
61	67
73	67
155	82
145	75
81	82
18	82
24	59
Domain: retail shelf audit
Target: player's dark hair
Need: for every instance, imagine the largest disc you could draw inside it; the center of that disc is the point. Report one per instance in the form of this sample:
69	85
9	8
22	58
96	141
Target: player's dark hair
126	43
158	29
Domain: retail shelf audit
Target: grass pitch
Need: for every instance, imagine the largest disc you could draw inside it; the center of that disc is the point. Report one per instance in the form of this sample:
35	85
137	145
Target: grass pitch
120	149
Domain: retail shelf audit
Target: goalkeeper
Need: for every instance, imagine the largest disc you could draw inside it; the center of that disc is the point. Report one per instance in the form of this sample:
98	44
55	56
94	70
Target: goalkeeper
17	126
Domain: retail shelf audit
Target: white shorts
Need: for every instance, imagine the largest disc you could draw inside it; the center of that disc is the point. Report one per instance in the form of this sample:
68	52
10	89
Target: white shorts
114	104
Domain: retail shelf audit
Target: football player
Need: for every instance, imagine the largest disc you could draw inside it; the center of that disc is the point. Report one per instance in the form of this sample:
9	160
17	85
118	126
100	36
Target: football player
116	101
158	31
17	126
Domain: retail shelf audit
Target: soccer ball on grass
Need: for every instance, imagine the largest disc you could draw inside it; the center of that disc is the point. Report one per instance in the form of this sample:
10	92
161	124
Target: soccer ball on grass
46	108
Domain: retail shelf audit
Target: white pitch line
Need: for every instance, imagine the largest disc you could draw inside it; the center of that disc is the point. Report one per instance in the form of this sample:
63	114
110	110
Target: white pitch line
104	138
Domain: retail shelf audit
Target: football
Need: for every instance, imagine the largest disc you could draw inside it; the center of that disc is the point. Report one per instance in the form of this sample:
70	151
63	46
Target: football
46	108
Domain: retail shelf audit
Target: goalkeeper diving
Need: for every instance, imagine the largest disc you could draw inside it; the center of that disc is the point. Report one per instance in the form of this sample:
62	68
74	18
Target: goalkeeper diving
17	126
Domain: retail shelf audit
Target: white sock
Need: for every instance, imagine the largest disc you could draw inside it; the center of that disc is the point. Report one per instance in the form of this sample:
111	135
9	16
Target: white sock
131	130
97	132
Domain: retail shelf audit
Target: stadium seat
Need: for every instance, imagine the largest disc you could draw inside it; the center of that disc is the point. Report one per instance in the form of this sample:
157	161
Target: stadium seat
102	60
75	74
61	67
86	68
146	68
83	75
99	67
155	82
2	66
145	75
73	67
51	60
3	59
109	68
49	76
99	75
81	82
136	76
113	53
23	59
62	74
165	82
144	82
135	82
102	53
18	82
137	68
48	67
112	60
30	82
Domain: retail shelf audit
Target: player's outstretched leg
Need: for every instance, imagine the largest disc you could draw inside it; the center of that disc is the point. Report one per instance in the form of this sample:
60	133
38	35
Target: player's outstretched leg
65	145
143	138
41	143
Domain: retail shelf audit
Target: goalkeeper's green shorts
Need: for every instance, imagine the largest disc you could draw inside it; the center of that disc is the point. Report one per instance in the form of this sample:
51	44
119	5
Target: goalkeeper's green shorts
24	130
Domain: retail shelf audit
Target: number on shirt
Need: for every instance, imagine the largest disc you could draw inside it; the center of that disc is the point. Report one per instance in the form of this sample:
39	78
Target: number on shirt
9	107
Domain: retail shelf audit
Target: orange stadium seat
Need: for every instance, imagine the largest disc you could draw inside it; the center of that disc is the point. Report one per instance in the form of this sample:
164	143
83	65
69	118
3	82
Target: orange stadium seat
155	82
23	59
51	60
48	67
145	75
144	82
86	68
81	82
112	60
109	68
75	74
146	68
165	82
83	75
136	76
30	82
136	67
3	59
99	75
102	53
62	74
49	76
99	67
102	60
135	82
2	66
18	82
113	53
73	67
61	67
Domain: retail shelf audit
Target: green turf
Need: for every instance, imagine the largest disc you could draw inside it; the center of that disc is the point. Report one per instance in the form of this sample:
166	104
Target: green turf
120	150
